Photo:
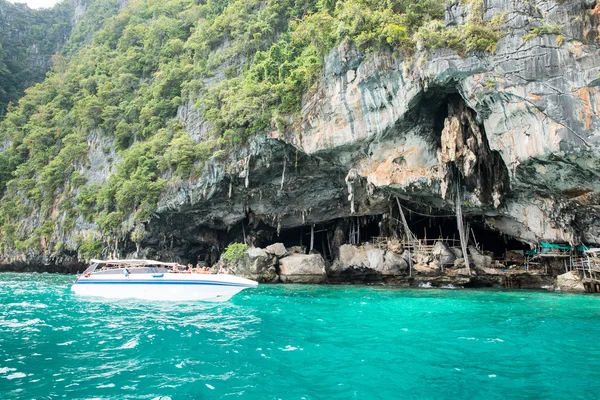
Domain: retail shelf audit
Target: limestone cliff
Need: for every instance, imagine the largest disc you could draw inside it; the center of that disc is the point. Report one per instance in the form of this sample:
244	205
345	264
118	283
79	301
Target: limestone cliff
517	131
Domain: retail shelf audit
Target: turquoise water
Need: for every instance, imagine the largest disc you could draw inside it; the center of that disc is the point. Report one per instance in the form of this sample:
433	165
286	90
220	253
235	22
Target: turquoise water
294	342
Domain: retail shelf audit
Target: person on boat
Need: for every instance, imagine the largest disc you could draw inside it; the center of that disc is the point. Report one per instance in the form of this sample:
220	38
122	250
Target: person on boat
222	270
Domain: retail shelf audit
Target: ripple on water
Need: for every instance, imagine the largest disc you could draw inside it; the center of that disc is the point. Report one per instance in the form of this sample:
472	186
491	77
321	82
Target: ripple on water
297	342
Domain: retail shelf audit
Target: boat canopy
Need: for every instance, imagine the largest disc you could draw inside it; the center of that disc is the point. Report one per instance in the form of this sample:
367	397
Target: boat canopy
132	262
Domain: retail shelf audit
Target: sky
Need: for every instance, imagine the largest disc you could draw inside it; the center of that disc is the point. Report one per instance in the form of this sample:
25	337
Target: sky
37	3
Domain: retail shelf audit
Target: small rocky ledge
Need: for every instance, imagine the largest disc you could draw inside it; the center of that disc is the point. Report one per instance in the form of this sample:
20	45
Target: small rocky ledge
366	263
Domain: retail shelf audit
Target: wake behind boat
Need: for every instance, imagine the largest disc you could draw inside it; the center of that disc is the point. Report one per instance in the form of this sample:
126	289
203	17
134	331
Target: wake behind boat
155	280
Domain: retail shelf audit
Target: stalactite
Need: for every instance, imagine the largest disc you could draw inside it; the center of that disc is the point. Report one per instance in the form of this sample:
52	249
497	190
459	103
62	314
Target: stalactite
283	173
350	178
247	179
230	189
278	225
312	237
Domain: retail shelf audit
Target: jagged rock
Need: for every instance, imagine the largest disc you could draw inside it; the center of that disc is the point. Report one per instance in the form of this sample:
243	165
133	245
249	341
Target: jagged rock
297	250
375	258
442	253
277	249
479	259
457	252
394	264
258	265
423	258
367	260
570	282
426	268
350	258
302	268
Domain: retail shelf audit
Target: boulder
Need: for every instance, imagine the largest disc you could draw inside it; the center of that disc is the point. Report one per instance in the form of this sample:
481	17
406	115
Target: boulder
368	260
394	264
442	253
570	282
375	259
459	262
350	258
407	257
277	249
423	258
302	268
457	252
258	265
479	259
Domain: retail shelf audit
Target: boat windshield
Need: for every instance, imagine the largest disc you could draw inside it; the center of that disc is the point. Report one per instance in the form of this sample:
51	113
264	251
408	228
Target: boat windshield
133	266
132	270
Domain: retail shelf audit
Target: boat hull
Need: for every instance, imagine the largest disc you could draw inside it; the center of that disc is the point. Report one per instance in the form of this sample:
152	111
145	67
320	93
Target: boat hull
164	287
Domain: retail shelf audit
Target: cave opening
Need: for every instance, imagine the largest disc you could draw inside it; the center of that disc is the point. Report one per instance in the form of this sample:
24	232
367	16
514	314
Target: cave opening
481	236
329	234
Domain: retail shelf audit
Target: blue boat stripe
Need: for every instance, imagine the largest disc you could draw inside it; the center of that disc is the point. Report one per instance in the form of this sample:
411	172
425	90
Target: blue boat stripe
133	282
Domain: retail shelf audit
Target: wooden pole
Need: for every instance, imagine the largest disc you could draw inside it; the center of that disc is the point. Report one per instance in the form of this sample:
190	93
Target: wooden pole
408	234
461	227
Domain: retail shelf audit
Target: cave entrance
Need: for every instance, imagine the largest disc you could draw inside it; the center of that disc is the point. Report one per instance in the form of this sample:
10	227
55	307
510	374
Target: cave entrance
300	237
480	236
330	234
494	241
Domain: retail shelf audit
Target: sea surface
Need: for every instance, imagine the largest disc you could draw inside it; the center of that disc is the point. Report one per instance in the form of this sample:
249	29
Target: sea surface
298	342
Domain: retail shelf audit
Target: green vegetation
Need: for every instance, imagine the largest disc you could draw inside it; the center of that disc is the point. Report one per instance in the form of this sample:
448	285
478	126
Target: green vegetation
475	35
117	83
29	37
543	30
235	251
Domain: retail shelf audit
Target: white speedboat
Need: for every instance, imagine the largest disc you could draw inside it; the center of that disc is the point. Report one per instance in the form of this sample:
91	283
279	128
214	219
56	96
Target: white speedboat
155	280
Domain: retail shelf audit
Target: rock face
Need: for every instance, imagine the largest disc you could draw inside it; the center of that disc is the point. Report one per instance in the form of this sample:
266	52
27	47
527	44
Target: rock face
303	268
570	282
367	261
517	130
480	260
258	265
277	249
443	254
